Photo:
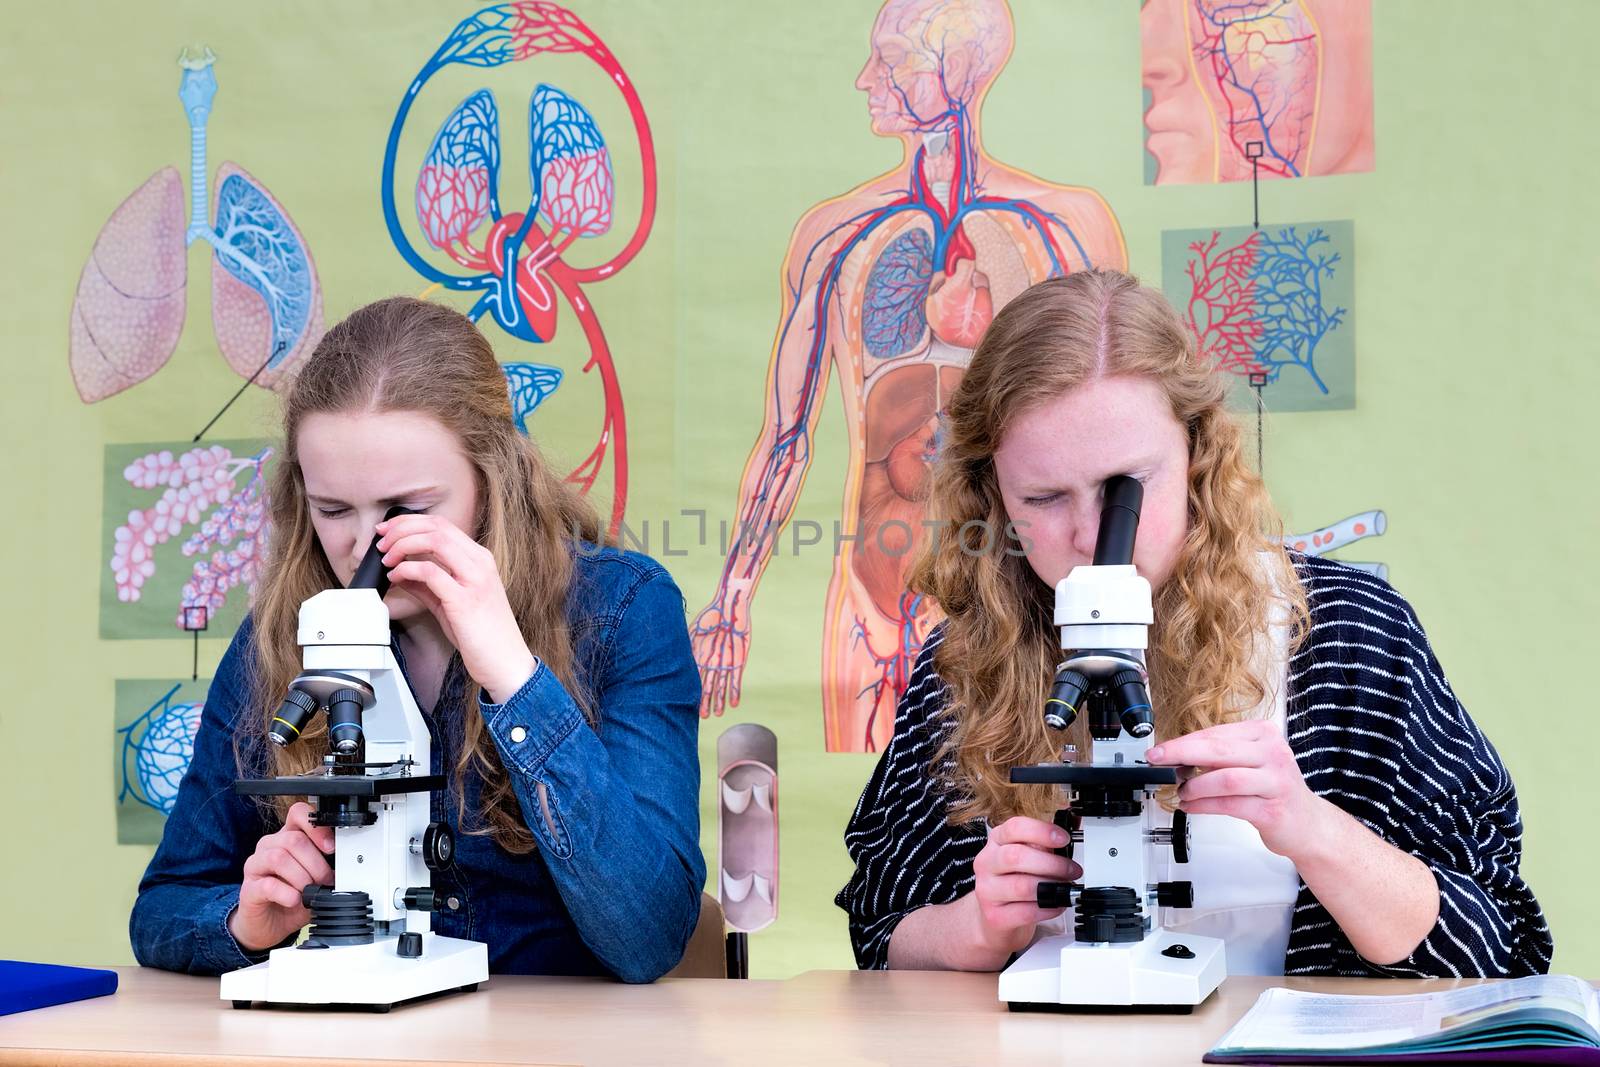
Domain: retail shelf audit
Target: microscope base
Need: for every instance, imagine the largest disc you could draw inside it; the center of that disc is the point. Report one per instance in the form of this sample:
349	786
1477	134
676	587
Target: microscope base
1058	973
361	975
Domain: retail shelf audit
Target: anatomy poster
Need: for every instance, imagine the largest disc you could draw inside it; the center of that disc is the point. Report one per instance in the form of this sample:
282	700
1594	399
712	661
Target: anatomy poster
1243	89
888	287
522	267
1274	308
184	534
1341	534
132	297
154	725
733	259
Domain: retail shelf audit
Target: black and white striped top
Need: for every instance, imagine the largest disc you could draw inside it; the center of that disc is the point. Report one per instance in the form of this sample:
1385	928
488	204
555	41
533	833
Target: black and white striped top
1375	729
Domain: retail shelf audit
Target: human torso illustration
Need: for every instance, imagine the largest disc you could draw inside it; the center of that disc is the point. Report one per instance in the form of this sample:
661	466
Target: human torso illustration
891	286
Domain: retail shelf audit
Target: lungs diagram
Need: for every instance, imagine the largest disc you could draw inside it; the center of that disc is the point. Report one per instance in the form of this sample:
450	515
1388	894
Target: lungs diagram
128	312
515	262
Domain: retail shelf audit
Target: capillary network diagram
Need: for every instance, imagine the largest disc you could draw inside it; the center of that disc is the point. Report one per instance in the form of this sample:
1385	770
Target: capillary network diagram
891	286
128	312
1256	304
516	262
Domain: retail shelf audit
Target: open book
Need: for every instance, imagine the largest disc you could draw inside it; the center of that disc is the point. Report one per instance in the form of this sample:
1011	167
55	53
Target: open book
1539	1019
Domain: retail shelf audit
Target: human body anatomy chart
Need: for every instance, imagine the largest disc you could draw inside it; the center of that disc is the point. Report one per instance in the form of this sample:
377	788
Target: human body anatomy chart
890	286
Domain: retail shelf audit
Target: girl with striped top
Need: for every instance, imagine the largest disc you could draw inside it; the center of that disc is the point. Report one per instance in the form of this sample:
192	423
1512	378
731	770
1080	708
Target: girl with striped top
1347	816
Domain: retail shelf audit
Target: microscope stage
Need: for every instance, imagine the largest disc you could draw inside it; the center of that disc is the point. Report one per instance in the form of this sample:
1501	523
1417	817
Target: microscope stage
338	785
1130	776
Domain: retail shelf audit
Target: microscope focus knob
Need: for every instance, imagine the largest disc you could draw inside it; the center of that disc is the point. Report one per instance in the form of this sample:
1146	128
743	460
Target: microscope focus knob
1068	820
1180	836
438	846
1053	895
418	898
1175	894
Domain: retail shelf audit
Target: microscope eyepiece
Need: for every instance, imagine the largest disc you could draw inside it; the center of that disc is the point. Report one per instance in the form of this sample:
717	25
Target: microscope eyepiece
291	718
1119	521
1061	706
371	573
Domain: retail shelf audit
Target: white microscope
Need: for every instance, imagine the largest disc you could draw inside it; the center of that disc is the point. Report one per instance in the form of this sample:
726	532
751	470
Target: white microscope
369	944
1118	956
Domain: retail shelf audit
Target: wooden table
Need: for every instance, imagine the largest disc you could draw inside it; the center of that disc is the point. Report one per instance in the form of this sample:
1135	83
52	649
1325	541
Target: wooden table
820	1019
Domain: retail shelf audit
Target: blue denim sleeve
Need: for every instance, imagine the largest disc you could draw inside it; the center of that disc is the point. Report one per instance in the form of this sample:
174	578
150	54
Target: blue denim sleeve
180	918
615	808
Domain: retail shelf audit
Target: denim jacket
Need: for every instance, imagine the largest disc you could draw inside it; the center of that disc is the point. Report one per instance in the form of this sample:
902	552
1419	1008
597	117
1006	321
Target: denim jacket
614	884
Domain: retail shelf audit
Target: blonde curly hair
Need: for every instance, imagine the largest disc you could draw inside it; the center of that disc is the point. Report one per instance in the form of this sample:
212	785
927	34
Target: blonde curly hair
1000	646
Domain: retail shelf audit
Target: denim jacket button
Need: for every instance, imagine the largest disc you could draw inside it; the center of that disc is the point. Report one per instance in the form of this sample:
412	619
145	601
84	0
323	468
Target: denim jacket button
454	903
518	734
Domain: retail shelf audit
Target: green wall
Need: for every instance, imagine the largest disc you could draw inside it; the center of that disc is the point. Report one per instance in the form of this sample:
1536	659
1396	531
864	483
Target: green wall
1475	353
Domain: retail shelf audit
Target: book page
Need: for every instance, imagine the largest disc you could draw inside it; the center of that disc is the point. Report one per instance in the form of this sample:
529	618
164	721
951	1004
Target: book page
1289	1019
1557	992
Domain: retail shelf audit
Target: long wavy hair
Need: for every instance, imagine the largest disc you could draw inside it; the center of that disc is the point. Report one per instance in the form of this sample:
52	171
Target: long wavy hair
402	354
1000	646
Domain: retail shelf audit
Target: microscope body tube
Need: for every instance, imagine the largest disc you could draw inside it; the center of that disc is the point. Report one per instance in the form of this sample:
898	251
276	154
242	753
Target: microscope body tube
1119	521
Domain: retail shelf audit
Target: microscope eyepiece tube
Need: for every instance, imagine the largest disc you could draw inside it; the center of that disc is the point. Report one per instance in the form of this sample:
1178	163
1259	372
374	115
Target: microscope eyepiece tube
1061	706
344	721
291	718
1119	521
370	572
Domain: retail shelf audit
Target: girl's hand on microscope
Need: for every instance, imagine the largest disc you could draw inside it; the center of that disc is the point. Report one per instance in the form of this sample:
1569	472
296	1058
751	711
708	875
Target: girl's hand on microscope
283	864
1247	770
1019	855
458	581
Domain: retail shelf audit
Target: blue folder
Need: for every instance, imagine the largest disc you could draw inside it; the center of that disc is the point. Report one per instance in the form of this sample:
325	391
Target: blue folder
24	986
